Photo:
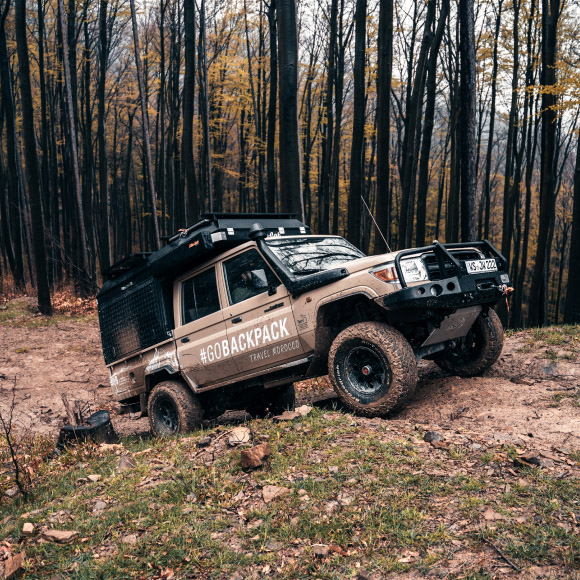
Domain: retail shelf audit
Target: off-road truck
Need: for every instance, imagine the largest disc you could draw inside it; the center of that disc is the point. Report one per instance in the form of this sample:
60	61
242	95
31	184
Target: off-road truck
236	308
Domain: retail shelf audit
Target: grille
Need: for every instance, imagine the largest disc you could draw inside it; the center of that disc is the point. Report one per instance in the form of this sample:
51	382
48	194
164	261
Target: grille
434	268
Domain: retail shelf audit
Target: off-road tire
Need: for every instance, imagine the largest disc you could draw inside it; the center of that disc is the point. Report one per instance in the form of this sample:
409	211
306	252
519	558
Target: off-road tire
482	348
392	381
275	401
173	409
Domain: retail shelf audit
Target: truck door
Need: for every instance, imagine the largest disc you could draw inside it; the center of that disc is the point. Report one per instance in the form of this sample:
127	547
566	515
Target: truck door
200	330
259	321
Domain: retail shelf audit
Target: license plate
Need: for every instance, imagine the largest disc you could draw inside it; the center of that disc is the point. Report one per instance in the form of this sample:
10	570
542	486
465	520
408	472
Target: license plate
478	266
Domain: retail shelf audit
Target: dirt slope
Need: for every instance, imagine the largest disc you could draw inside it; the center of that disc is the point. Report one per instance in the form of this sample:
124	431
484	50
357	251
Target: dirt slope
532	395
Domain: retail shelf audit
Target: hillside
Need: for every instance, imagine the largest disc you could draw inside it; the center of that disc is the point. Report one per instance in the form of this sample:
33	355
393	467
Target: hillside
378	497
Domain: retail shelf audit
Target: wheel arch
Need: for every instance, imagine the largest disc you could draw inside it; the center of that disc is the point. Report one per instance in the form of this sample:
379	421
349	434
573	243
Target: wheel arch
333	316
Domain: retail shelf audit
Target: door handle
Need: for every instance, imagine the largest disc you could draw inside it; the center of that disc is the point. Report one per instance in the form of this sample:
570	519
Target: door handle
185	339
236	319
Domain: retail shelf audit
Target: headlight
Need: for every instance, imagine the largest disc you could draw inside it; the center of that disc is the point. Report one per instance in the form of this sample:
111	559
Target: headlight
413	271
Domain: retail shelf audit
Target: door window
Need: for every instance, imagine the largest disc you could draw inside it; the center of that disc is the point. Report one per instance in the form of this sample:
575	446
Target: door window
248	275
199	296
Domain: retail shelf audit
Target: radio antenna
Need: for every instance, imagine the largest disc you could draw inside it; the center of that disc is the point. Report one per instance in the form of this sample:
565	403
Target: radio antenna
376	224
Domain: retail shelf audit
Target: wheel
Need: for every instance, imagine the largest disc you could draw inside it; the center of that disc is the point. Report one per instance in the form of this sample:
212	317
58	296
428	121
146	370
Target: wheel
275	401
373	368
480	349
173	408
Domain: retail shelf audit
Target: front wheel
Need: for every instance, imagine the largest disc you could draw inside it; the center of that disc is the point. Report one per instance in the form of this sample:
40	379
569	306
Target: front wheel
172	409
373	368
478	351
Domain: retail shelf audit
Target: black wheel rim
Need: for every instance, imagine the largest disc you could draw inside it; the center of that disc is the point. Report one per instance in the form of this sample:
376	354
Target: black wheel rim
466	351
167	417
366	372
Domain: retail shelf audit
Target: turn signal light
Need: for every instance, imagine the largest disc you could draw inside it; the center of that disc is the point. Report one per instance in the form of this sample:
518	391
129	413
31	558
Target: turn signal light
386	274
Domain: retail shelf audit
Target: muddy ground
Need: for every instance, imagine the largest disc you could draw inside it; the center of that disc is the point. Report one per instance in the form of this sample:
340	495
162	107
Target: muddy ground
531	396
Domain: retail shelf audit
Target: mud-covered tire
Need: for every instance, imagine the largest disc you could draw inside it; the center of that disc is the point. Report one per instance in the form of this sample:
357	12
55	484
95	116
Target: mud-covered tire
273	401
173	409
372	368
481	348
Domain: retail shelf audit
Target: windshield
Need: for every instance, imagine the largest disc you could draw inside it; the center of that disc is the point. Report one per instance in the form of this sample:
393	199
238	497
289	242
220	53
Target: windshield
311	255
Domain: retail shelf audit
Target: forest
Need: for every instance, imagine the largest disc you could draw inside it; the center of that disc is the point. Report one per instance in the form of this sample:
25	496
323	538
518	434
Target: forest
390	122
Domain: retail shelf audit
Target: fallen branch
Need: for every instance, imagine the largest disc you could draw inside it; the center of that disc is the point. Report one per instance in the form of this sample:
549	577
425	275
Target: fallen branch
71	381
502	555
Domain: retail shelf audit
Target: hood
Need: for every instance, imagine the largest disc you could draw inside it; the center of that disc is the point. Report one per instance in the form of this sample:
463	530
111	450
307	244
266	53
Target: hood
368	262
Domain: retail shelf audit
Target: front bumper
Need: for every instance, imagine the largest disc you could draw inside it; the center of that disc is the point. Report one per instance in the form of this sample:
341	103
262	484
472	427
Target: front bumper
456	288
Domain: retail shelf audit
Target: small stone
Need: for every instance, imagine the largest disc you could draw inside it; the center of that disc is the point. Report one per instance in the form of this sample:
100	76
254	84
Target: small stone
99	506
13	565
491	515
28	529
253	457
330	507
130	539
333	469
94	478
272	492
533	461
344	498
126	462
239	436
12	492
475	446
432	436
205	442
287	416
303	410
272	545
320	550
294	521
59	536
367	575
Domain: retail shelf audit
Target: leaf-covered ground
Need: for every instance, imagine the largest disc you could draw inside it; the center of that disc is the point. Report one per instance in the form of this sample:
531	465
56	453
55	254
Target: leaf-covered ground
380	499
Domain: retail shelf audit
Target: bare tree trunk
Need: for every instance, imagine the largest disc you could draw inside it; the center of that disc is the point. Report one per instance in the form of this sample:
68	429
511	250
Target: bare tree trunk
145	124
272	98
290	168
423	185
187	160
538	293
572	309
204	106
358	127
384	79
468	119
104	217
34	188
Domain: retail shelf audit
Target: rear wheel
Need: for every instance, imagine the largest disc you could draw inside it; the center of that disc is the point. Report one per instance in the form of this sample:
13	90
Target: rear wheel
372	367
478	351
172	409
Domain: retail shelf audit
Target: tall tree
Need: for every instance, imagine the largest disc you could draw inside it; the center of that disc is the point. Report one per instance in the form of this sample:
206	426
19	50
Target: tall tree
188	162
104	218
272	99
384	80
34	191
538	292
290	160
358	126
468	118
145	125
572	310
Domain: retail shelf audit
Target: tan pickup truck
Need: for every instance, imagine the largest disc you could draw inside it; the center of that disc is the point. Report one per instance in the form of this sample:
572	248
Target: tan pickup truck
235	309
